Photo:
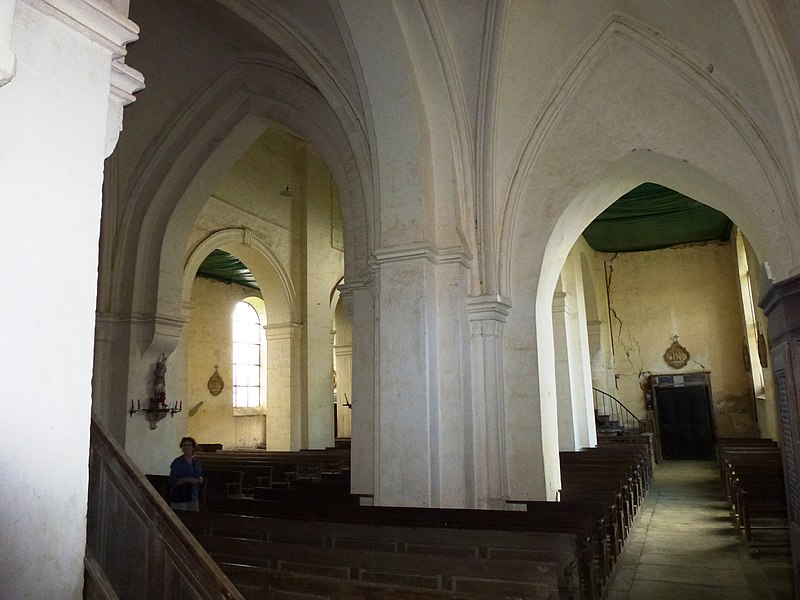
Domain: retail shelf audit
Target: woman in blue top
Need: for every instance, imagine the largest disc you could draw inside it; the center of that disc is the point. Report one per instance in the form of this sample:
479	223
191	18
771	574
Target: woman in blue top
185	475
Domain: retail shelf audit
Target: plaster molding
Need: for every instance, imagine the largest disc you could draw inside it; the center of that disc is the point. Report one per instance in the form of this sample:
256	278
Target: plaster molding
347	291
162	330
343	350
95	19
437	256
105	327
8	61
125	81
562	304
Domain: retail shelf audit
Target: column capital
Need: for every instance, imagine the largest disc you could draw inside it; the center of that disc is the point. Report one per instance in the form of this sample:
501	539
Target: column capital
422	251
488	308
281	331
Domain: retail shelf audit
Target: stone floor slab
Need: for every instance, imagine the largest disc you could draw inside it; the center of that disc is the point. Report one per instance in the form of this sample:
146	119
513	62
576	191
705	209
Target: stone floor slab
685	545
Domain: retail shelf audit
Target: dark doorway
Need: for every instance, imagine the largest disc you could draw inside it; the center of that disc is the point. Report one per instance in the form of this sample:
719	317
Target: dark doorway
684	421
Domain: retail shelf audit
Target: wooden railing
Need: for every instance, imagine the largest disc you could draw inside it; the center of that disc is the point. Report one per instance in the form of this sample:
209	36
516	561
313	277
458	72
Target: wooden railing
135	543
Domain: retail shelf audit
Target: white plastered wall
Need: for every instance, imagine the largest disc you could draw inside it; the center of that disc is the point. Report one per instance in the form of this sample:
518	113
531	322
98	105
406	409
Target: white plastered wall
691	292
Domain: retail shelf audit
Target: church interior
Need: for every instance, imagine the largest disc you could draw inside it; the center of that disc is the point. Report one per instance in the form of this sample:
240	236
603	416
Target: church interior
448	236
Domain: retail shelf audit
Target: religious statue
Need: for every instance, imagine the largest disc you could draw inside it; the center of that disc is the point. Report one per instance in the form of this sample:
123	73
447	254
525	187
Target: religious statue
159	387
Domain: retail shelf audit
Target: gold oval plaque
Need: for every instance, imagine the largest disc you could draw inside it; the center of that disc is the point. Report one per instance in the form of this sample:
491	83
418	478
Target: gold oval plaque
215	383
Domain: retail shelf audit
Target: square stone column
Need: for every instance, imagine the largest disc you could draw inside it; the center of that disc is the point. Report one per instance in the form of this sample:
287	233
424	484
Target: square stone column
576	427
285	414
359	302
421	413
487	315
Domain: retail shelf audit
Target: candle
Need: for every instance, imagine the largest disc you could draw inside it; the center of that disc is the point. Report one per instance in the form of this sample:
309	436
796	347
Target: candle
131	404
138	404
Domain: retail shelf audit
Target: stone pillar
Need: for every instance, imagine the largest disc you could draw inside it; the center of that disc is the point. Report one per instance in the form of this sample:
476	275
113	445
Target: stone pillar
572	362
359	303
568	417
781	304
487	315
403	427
344	388
285	414
421	434
53	119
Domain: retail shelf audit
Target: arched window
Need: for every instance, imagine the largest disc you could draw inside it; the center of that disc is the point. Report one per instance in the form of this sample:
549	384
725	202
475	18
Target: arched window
247	332
752	332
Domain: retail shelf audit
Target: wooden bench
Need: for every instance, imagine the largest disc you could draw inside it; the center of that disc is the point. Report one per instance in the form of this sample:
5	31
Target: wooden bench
550	554
751	473
281	469
427	571
259	583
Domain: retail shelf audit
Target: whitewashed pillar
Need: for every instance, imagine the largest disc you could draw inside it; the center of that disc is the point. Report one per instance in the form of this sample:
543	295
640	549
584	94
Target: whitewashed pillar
285	414
568	438
421	438
359	303
53	129
344	388
402	411
487	316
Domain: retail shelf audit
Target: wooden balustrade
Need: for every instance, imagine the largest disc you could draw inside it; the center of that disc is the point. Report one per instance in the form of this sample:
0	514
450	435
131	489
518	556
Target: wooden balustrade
136	545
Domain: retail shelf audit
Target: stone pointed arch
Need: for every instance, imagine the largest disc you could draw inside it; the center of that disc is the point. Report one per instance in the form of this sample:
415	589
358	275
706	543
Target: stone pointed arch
768	182
140	311
274	282
624	88
175	177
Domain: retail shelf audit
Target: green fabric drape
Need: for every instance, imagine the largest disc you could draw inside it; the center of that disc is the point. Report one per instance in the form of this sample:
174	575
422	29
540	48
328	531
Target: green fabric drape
227	268
650	217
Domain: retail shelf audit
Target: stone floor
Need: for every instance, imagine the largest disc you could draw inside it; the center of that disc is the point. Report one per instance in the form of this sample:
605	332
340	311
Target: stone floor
684	545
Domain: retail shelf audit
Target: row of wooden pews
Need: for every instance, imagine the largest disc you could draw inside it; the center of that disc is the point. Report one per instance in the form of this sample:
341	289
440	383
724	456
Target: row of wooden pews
751	475
607	483
243	473
312	539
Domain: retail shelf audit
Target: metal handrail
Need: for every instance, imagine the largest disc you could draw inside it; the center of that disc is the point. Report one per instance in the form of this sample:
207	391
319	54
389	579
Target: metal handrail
606	404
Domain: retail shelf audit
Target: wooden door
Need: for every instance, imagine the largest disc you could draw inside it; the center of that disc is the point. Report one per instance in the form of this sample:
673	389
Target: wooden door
684	420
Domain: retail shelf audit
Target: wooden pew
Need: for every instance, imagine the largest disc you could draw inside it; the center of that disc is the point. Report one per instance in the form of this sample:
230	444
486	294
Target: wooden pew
259	583
281	469
751	472
554	548
591	517
476	576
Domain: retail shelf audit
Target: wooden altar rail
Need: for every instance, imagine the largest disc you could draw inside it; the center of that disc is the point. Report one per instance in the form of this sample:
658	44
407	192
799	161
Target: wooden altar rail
136	545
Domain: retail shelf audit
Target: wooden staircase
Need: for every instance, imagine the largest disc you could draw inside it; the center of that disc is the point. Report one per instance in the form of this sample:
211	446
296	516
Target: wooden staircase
612	418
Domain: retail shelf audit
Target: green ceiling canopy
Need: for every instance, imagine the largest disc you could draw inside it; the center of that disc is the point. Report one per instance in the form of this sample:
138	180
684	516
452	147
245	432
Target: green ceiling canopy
650	217
227	268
